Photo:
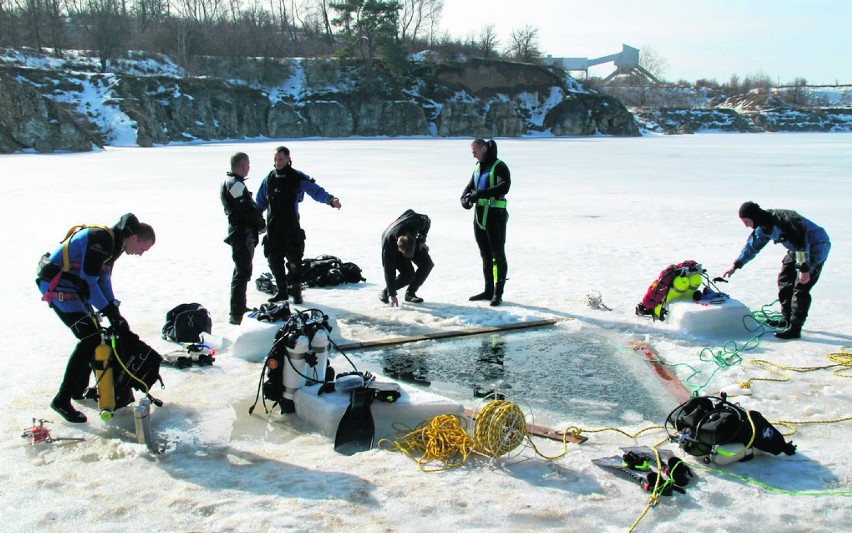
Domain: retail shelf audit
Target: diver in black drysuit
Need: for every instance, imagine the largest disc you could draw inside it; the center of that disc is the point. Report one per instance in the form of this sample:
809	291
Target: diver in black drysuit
414	227
487	191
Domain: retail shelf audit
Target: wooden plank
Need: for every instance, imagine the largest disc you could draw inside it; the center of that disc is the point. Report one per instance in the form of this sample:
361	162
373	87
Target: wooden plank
543	432
394	341
678	389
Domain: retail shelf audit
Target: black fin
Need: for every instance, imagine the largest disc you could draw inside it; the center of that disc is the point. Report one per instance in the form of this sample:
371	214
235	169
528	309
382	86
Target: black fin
356	430
646	476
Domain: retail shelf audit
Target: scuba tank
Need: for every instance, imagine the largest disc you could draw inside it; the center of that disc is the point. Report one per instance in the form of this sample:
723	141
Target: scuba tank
725	454
104	377
294	369
319	347
142	417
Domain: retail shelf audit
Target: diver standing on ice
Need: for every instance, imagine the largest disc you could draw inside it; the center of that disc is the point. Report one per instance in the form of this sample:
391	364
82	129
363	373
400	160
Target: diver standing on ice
807	249
279	195
245	223
76	277
486	193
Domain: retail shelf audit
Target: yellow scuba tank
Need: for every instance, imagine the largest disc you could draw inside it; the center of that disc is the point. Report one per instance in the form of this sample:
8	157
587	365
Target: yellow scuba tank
104	376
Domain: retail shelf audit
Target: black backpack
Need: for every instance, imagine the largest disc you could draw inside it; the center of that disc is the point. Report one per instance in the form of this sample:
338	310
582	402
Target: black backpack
329	271
186	322
351	273
139	368
704	422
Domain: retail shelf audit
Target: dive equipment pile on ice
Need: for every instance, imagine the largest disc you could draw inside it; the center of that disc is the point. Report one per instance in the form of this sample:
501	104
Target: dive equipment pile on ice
722	432
680	281
299	358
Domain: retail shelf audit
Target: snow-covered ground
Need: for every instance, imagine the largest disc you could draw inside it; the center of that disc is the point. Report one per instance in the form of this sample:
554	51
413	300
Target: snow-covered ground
587	214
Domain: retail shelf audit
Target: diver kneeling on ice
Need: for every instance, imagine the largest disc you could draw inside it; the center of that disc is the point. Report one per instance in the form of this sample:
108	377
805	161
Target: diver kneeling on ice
74	279
404	244
807	249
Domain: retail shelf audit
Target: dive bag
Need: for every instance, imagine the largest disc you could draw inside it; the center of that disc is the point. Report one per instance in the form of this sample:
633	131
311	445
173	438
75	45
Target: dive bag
186	323
329	271
704	425
667	287
135	365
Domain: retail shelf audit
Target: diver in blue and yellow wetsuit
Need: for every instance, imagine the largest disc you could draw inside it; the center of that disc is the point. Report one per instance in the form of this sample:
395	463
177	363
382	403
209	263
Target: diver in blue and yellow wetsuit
74	279
487	191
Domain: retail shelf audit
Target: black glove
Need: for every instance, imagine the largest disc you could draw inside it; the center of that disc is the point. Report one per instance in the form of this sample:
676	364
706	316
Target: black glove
466	201
118	323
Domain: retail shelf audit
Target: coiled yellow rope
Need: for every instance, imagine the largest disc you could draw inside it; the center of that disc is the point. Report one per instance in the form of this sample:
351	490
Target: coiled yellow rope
499	428
441	438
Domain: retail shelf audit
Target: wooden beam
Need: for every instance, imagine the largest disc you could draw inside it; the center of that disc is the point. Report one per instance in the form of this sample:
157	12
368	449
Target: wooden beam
675	386
394	341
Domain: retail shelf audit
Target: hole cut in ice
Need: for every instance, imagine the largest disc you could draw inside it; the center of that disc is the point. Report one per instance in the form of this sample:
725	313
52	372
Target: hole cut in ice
588	376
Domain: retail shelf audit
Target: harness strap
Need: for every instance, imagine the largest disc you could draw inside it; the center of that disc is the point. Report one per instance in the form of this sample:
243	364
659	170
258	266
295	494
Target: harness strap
50	294
492	202
487	203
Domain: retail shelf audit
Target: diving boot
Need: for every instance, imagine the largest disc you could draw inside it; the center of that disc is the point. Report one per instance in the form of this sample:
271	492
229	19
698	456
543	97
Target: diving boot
487	294
383	296
297	294
413	298
793	331
280	296
67	411
778	323
497	299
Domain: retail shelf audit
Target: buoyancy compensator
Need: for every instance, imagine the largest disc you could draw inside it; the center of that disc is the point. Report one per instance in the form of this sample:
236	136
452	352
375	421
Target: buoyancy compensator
722	432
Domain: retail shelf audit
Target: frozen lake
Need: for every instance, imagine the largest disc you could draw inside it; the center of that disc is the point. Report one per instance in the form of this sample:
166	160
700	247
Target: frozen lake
586	214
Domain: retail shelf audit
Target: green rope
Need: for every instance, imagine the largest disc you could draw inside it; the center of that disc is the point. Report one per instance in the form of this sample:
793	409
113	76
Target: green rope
730	354
775	489
764	315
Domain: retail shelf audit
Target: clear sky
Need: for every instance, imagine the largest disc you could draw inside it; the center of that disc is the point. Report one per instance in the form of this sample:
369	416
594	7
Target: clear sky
712	39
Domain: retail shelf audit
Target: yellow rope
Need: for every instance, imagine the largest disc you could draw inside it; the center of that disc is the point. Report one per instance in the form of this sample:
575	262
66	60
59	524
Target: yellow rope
441	438
654	498
499	428
575	431
791	424
842	366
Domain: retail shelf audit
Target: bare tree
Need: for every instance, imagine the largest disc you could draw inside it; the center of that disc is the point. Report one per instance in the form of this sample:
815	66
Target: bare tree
324	8
150	12
653	62
487	42
32	14
417	17
54	18
798	94
106	28
524	44
283	13
203	11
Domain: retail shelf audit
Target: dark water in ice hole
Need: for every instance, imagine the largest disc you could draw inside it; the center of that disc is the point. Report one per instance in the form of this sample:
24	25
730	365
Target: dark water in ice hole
586	377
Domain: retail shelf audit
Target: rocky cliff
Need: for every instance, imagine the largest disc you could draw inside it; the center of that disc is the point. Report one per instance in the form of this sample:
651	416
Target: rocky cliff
48	104
46	108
